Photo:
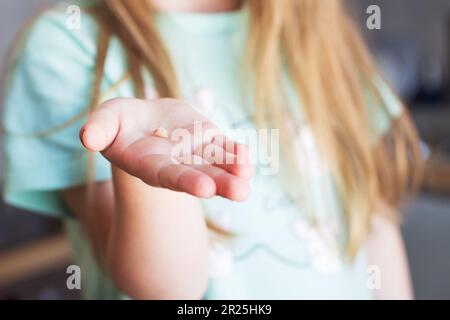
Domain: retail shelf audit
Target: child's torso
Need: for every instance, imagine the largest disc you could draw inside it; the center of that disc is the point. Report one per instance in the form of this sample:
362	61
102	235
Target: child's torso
274	252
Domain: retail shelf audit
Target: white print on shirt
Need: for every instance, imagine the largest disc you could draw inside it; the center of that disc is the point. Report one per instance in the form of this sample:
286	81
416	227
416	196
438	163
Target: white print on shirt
320	245
225	220
205	99
220	261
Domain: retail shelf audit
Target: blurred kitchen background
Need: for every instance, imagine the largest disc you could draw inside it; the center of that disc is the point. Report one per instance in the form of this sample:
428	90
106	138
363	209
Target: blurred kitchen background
412	49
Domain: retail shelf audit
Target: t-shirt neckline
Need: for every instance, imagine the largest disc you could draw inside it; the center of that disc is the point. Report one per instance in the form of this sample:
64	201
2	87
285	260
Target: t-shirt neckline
204	23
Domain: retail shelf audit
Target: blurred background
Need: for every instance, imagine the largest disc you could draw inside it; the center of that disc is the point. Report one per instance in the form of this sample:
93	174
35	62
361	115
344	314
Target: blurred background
412	49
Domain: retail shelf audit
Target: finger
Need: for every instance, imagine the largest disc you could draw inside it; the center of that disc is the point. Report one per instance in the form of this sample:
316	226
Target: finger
227	185
201	133
100	130
241	150
244	167
219	157
182	178
164	172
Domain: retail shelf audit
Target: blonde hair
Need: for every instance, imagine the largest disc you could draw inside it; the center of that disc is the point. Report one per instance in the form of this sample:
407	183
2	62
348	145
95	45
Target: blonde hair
330	69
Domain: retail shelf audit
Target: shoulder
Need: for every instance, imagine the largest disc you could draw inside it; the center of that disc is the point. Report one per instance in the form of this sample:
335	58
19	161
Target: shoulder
49	75
61	31
61	43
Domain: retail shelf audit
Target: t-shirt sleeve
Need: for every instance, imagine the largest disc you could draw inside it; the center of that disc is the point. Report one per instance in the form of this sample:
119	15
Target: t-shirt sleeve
48	88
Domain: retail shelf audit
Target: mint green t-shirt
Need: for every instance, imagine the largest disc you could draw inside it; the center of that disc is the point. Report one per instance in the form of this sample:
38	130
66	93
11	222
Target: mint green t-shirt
275	254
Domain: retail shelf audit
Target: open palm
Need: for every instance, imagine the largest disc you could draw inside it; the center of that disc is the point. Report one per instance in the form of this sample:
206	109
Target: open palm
138	136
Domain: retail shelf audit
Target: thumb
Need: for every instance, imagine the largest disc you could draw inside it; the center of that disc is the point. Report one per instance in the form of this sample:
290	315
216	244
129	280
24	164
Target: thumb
100	130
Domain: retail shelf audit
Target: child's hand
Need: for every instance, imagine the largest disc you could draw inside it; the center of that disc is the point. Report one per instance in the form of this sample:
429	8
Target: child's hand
138	136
